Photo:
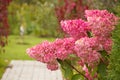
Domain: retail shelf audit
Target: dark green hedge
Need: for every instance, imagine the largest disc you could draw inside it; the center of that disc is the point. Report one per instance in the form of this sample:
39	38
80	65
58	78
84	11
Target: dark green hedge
114	67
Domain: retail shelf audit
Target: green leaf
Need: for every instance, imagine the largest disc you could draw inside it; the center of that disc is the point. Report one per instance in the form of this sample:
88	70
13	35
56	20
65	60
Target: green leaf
104	54
94	71
66	69
102	70
77	77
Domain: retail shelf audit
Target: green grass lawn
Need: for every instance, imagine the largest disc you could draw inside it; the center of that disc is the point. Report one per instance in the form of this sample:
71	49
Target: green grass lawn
16	49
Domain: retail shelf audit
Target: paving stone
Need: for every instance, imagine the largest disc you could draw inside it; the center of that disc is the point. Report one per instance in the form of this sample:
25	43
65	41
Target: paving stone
30	70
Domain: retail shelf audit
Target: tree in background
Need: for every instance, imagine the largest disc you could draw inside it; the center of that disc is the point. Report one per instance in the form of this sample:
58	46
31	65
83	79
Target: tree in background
4	26
37	16
71	9
103	4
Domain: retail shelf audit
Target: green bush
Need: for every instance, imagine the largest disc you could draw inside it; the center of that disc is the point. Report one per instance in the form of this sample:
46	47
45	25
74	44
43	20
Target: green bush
114	67
38	18
14	22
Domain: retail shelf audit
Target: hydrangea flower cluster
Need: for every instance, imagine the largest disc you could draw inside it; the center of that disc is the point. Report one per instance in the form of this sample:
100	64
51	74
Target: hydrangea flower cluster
75	28
86	48
49	52
102	23
87	39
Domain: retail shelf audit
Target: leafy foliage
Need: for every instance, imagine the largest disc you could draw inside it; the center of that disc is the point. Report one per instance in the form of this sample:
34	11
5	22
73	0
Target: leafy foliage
37	17
70	9
103	4
102	68
44	20
114	67
77	77
66	69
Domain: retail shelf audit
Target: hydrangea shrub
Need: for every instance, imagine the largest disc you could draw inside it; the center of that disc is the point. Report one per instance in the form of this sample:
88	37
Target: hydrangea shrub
84	54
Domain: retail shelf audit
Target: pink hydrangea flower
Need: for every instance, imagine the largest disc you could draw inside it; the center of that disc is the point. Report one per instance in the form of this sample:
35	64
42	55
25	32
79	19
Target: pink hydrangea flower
75	28
109	17
52	66
64	47
42	52
108	45
47	52
101	22
105	43
86	49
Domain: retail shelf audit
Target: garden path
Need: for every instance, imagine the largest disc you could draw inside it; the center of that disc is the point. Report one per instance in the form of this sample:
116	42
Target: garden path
30	70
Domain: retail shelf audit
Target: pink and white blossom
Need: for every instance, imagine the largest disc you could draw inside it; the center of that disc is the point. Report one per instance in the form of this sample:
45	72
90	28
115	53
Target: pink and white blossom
86	48
75	28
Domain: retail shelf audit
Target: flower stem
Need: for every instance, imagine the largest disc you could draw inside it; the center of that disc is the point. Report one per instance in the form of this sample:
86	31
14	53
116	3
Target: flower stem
76	69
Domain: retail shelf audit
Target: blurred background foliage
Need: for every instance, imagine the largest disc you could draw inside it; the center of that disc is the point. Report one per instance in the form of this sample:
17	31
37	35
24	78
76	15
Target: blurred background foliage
37	17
